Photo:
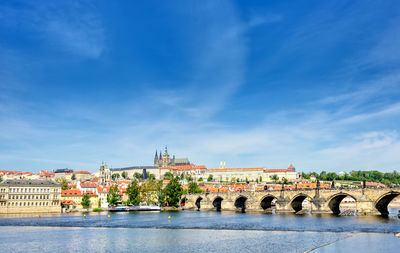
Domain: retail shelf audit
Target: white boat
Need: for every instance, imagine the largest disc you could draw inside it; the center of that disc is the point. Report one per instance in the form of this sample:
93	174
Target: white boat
139	208
119	209
144	208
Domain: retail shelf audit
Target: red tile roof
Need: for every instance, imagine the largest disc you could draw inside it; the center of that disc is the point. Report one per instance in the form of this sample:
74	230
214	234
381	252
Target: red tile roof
102	189
278	170
291	166
233	169
68	202
71	192
88	184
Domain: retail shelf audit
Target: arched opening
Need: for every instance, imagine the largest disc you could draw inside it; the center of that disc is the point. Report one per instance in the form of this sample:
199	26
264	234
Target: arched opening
198	200
183	202
217	203
240	204
268	203
300	202
383	204
343	204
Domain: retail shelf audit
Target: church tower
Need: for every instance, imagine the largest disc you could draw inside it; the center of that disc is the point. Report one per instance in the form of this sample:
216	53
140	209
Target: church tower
165	158
104	174
156	159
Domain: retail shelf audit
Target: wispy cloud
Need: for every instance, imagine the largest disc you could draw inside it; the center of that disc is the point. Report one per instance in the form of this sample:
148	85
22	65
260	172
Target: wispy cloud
195	118
74	26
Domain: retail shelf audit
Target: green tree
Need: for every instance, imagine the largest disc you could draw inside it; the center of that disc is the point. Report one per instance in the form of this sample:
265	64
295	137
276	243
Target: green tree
113	196
63	182
257	180
73	177
133	192
160	193
260	179
173	192
322	175
168	176
275	178
194	188
201	179
85	201
210	178
115	176
285	181
189	178
124	174
1	179
99	203
152	177
138	175
305	176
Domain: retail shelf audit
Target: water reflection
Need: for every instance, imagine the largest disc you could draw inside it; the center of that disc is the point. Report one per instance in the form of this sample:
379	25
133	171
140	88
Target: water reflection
216	220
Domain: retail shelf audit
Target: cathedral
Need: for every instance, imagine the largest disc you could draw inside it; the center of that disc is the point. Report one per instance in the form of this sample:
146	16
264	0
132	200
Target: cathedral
163	160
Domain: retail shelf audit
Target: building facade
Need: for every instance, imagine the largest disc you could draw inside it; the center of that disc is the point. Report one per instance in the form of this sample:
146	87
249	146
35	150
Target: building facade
260	174
29	196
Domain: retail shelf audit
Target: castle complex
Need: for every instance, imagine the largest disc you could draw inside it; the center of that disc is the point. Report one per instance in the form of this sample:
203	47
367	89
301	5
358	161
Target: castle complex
165	161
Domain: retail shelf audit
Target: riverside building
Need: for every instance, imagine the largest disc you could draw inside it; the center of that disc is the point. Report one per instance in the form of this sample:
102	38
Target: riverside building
29	196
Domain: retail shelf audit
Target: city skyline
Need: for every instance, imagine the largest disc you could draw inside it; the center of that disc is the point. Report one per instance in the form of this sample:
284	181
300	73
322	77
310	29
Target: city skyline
253	84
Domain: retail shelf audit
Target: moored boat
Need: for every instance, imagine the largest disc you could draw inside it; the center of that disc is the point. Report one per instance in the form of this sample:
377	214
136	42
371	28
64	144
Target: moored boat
154	208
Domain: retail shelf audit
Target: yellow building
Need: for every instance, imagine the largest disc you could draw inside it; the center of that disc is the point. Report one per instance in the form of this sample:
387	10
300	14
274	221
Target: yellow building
30	196
72	198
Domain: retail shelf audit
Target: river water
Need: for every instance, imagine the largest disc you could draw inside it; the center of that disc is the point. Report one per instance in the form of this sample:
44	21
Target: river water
191	231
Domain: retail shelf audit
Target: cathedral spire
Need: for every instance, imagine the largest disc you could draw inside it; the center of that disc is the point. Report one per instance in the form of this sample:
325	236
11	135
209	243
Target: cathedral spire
156	158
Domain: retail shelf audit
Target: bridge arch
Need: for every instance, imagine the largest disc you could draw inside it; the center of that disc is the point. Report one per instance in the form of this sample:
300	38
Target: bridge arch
197	203
297	201
217	203
266	202
240	203
382	203
335	200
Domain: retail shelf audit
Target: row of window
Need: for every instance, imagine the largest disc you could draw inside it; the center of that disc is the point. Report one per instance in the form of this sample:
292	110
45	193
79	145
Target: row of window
29	197
17	204
28	190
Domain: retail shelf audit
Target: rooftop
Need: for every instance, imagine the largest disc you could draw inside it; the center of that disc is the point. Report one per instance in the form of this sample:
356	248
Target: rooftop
235	169
22	182
134	168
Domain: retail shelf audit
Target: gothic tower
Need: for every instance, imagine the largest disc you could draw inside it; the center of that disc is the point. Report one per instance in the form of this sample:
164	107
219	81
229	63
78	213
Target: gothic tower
165	158
156	159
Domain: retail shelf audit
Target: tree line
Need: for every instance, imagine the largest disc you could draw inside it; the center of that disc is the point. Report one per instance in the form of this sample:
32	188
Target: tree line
388	178
151	192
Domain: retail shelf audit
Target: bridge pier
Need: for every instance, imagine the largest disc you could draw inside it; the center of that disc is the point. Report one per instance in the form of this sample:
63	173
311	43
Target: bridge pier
365	206
283	205
320	206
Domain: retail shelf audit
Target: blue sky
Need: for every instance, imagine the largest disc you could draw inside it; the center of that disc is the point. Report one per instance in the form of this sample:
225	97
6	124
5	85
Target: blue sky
252	83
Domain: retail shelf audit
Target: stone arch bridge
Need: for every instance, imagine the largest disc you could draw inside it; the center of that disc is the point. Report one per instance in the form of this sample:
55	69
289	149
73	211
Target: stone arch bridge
368	201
